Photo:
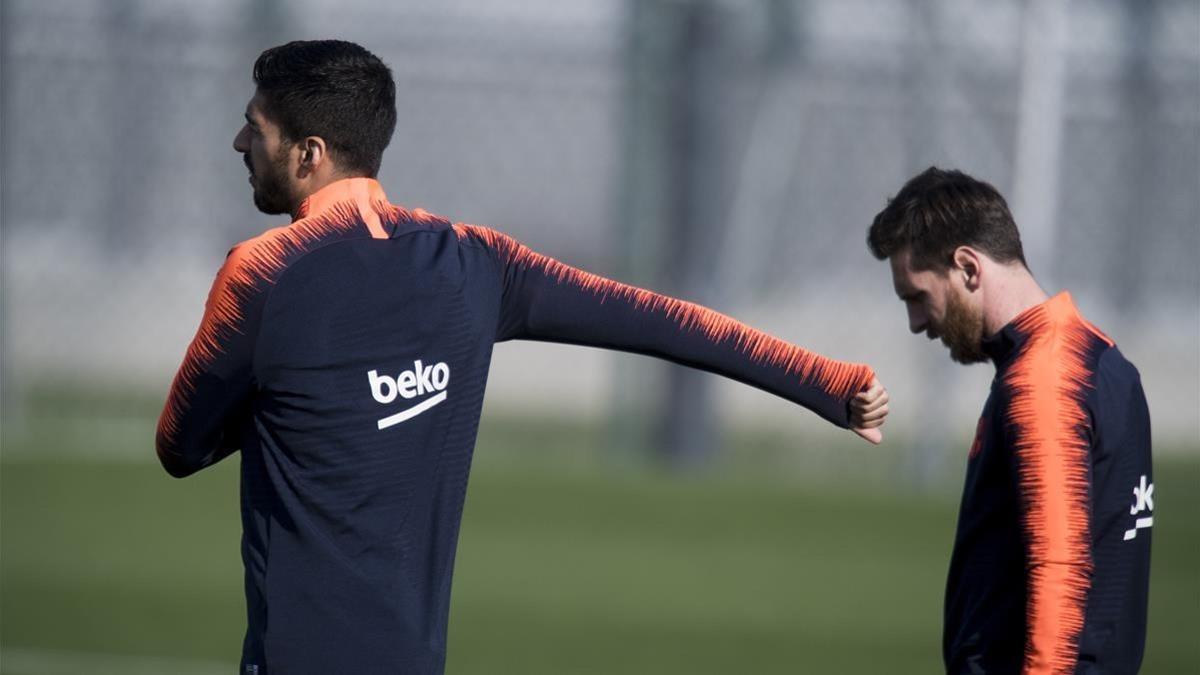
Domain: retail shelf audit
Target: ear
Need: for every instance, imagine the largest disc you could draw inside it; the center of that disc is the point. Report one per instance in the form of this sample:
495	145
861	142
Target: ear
313	155
968	263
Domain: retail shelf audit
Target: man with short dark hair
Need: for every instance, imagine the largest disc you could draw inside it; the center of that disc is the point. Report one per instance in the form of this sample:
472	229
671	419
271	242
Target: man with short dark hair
346	354
1051	563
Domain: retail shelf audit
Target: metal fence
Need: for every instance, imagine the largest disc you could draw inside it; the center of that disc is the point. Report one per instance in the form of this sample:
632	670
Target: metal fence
730	152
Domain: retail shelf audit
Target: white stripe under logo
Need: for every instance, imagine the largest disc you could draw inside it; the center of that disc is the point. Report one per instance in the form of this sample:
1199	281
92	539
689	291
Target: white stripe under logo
393	420
1141	523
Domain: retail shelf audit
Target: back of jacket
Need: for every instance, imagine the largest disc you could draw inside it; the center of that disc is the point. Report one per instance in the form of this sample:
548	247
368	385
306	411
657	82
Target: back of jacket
346	355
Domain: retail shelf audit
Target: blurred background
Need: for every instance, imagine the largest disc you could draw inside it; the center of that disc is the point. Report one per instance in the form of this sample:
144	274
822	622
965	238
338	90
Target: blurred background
624	516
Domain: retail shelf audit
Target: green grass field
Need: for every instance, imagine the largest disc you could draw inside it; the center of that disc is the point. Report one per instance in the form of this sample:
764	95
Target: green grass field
563	567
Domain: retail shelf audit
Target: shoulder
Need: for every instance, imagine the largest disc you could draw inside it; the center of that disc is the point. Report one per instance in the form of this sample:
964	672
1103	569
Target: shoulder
265	257
1118	382
502	248
1114	366
1059	345
486	237
1051	381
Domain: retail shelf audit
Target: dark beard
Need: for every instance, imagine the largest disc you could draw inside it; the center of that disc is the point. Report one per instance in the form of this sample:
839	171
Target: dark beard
271	193
962	331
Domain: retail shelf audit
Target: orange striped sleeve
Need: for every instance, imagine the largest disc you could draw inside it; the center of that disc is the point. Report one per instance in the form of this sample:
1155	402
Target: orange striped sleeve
214	376
837	379
1050	435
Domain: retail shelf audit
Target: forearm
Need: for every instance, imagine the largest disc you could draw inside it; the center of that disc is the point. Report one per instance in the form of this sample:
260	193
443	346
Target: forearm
1057	606
200	425
211	392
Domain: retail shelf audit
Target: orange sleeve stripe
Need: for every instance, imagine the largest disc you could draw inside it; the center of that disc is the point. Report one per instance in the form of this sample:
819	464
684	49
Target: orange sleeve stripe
249	265
1048	382
838	378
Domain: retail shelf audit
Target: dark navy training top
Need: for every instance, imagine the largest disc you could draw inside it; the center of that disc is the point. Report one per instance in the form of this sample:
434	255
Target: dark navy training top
345	355
1051	564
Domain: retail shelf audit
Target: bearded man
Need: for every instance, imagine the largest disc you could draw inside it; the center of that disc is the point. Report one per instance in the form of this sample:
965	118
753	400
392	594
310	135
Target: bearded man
1051	563
345	355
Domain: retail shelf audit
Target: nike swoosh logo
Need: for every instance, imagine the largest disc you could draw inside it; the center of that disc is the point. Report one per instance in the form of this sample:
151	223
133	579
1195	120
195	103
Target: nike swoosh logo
405	415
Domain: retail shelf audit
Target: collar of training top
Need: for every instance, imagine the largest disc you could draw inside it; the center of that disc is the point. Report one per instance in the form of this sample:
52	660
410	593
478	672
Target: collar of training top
1006	342
360	190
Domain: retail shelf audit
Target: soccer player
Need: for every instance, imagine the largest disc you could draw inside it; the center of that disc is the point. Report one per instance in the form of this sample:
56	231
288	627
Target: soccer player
346	354
1051	561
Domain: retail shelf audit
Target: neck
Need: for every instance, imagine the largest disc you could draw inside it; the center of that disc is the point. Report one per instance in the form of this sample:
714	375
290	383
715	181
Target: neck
313	185
1014	291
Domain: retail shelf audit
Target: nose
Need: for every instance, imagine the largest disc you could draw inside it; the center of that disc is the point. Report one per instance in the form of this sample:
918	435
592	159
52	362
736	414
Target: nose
241	142
917	320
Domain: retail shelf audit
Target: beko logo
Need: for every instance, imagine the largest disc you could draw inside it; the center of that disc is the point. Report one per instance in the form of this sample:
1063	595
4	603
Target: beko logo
410	384
1143	502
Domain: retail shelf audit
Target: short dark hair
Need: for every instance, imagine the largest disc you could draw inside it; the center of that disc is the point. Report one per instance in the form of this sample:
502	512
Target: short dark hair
333	89
936	212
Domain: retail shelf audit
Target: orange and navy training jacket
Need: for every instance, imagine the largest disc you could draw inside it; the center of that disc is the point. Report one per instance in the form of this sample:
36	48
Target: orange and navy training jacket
1051	564
346	355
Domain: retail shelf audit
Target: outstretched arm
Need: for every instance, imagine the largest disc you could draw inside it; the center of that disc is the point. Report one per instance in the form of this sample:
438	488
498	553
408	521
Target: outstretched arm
544	299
